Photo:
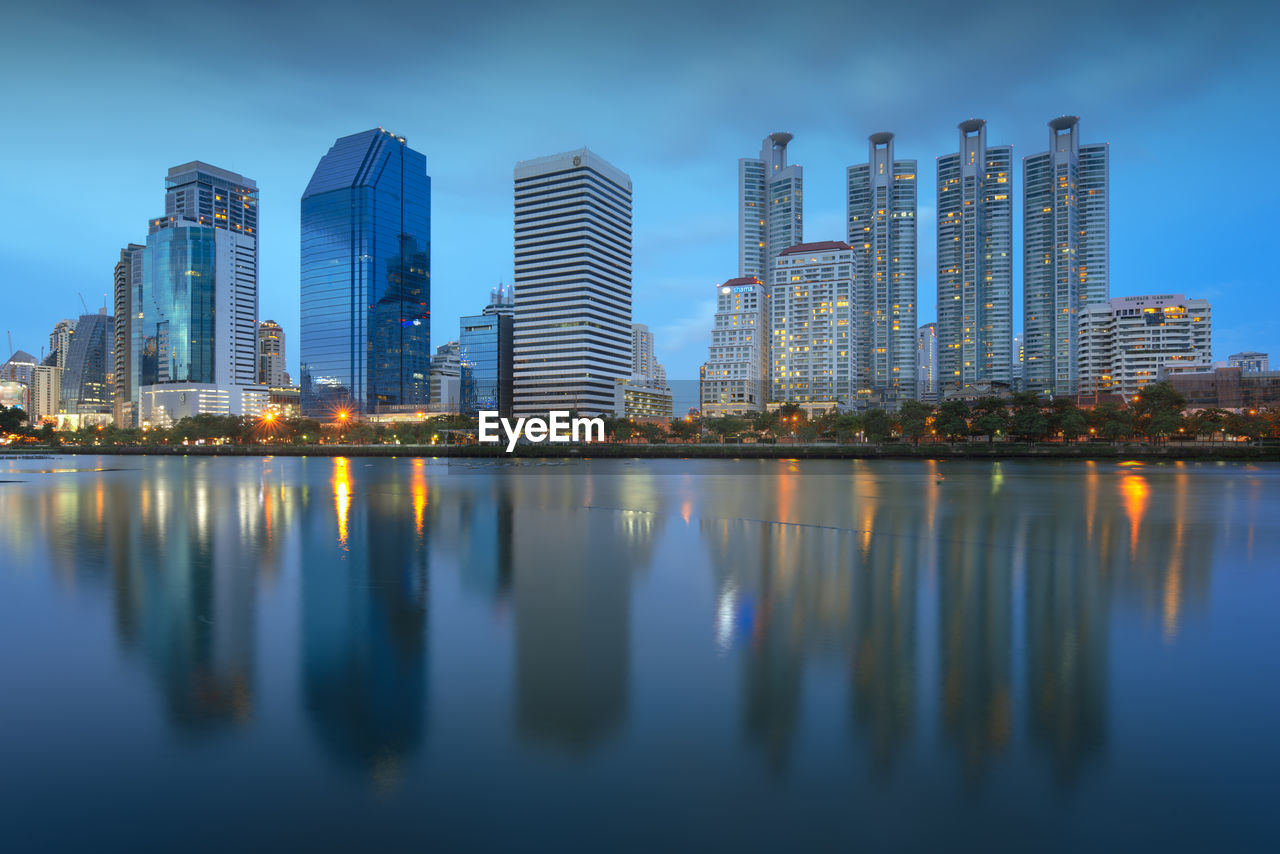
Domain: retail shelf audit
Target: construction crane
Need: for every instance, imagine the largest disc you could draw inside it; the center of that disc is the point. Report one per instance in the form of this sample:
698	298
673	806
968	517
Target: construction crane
10	333
82	302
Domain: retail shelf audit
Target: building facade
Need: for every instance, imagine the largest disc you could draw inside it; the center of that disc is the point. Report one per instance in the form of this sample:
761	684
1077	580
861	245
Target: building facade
882	232
927	363
813	326
1249	362
126	293
1065	253
485	351
271	370
40	386
364	342
60	342
572	338
735	378
1127	342
770	207
975	260
87	383
646	370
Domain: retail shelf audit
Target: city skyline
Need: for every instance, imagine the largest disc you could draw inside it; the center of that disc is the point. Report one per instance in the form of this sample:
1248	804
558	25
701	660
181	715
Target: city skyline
1187	67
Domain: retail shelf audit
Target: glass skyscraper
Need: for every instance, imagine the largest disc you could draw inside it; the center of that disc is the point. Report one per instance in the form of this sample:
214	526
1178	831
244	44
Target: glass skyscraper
366	277
485	355
770	207
87	368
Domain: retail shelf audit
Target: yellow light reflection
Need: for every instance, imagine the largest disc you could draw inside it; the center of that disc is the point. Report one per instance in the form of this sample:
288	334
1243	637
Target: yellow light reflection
341	496
421	494
1134	488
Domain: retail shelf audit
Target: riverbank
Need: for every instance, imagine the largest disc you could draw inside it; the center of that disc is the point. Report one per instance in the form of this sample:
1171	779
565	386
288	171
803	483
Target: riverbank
821	450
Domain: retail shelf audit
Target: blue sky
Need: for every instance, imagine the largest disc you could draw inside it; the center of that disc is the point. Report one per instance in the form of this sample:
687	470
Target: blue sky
99	99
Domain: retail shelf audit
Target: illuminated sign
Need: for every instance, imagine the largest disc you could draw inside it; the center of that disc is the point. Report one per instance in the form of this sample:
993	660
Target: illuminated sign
743	289
13	394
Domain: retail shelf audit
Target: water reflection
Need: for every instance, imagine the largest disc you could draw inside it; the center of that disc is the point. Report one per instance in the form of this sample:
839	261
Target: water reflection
960	619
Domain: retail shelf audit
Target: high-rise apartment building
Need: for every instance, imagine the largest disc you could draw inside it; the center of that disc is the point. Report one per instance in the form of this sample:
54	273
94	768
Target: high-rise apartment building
366	278
975	261
126	293
271	371
1065	254
770	207
1016	364
813	325
1125	342
735	378
87	383
572	283
60	342
927	363
41	384
882	233
646	370
485	352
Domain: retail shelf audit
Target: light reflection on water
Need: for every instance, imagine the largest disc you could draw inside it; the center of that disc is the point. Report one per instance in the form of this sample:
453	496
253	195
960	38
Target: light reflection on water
768	640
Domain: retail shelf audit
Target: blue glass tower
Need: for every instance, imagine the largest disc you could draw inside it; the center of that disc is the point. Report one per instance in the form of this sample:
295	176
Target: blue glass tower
366	277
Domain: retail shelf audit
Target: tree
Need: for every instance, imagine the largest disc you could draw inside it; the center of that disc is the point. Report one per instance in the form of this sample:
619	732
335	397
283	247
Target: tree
683	430
1068	419
953	419
1029	420
846	425
1207	422
913	419
1110	421
12	418
1158	410
990	418
766	423
877	424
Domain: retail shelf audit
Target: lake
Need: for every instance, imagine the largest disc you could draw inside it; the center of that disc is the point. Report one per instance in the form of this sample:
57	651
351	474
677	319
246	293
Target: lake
401	654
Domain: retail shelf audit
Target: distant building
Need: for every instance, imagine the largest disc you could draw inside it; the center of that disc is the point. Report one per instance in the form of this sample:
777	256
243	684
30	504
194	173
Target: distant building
975	260
641	401
572	283
1126	341
41	383
1224	388
646	370
1065	253
485	354
1249	361
882	232
87	368
364	342
127	290
770	207
735	378
195	315
812	322
271	370
60	343
446	378
1016	366
927	363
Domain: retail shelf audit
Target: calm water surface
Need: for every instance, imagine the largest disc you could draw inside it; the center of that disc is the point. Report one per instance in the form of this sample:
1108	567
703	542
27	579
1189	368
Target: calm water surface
236	654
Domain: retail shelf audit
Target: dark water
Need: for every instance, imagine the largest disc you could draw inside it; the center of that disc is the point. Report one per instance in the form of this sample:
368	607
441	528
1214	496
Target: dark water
225	654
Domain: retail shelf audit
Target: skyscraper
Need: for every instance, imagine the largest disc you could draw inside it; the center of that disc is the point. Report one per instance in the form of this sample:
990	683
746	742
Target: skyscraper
975	261
195	312
735	378
646	370
271	372
927	363
366	277
572	283
1065	255
882	232
813	324
127	285
485	342
60	342
87	381
770	207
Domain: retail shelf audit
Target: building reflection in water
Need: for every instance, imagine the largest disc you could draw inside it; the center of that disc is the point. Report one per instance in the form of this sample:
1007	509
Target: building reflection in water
364	620
575	543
